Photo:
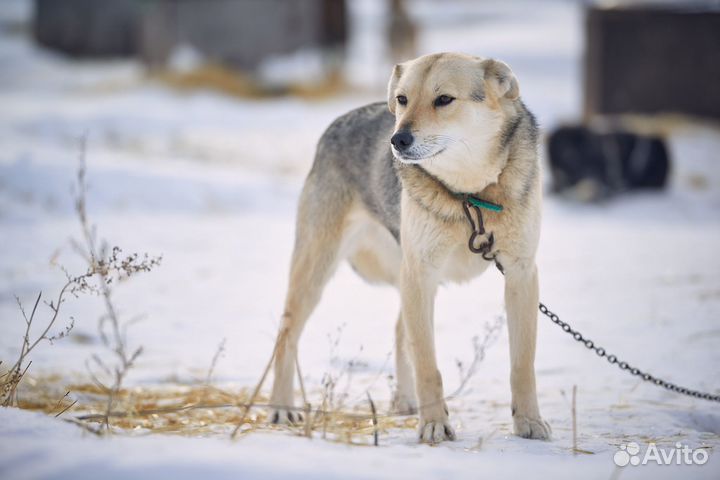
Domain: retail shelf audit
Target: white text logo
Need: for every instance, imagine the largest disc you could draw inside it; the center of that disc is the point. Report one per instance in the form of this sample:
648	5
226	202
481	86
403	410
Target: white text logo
629	454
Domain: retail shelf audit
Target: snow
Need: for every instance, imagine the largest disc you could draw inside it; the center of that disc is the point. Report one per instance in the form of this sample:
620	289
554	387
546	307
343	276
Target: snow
65	452
211	183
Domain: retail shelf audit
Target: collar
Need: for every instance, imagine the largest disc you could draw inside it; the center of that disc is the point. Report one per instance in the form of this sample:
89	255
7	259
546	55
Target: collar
442	201
471	198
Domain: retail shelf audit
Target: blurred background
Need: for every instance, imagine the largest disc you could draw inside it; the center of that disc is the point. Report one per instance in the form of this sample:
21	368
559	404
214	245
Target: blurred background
201	119
217	80
222	80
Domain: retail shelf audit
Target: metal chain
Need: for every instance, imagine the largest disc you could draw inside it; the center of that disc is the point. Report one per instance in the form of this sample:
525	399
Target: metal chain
624	365
486	250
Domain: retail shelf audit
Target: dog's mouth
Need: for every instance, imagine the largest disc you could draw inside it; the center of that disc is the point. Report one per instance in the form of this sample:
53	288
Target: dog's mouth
411	158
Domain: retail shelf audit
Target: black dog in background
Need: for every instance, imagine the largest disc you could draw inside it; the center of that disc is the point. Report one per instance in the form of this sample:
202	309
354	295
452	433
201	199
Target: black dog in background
590	165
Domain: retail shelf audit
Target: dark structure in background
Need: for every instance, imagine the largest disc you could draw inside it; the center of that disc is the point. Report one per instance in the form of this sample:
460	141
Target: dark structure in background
591	165
653	59
236	33
240	33
88	28
640	59
401	32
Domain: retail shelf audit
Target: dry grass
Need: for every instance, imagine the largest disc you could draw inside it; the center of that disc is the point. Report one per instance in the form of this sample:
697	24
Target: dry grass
194	411
202	410
237	84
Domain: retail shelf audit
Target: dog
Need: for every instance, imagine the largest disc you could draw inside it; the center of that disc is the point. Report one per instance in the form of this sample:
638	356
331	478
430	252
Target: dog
589	164
386	193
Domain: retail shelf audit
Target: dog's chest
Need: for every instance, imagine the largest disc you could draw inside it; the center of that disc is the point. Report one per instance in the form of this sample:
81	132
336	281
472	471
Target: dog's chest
462	265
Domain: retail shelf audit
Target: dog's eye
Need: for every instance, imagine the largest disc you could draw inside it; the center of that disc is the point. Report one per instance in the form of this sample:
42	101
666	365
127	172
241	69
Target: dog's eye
443	100
402	99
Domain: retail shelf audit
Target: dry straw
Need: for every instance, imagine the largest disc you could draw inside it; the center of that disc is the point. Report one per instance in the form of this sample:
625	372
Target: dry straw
196	411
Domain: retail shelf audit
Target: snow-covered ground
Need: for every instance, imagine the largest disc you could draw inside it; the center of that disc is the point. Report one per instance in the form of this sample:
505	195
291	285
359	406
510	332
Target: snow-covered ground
211	182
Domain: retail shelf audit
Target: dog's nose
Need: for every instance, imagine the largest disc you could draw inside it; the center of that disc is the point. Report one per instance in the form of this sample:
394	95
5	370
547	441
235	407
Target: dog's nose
402	140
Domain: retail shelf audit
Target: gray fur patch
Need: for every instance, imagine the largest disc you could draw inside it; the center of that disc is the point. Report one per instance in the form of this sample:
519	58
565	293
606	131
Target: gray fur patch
356	148
509	130
529	182
478	95
532	125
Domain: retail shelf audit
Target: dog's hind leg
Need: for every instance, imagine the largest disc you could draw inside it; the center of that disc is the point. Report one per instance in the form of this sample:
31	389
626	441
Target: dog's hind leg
321	218
404	400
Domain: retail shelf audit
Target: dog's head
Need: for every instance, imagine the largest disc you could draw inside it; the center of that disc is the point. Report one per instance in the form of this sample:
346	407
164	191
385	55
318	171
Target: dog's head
448	107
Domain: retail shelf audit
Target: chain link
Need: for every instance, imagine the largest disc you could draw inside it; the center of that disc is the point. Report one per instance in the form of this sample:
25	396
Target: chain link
613	360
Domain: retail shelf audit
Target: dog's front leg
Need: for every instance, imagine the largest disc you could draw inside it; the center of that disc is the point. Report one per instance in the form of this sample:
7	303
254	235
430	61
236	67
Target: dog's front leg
404	400
521	299
418	286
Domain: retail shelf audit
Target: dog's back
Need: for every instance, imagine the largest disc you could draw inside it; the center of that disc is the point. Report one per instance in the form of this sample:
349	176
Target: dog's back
354	156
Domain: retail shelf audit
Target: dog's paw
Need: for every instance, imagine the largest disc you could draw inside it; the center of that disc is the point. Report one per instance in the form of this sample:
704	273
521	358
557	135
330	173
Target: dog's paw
285	417
535	428
436	432
435	429
404	405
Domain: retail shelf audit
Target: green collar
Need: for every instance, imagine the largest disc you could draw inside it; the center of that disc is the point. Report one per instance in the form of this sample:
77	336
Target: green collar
466	198
478	202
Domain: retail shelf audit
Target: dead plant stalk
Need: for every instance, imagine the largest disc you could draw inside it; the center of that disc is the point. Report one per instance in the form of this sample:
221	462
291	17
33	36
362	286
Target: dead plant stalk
94	255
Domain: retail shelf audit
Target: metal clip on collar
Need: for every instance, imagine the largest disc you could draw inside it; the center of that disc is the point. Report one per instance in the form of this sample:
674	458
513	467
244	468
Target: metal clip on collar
478	228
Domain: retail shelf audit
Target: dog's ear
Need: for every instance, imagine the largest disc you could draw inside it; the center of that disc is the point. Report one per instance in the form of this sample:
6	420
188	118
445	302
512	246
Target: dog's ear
394	78
500	79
